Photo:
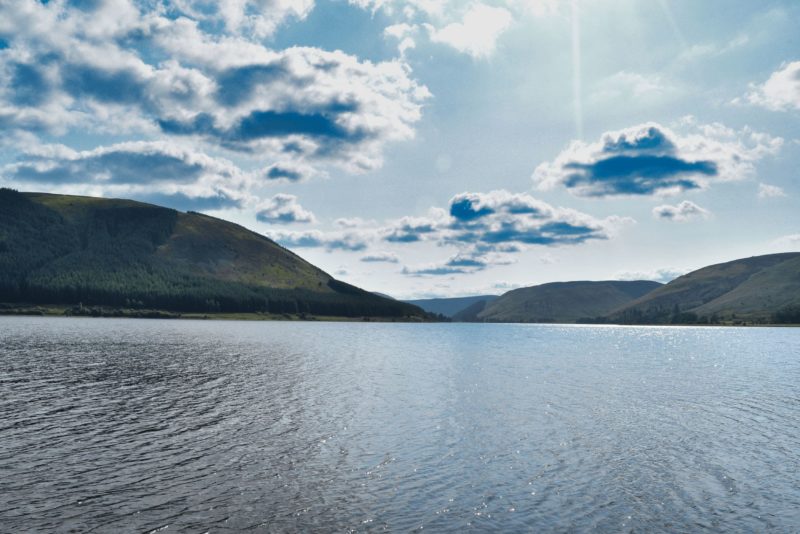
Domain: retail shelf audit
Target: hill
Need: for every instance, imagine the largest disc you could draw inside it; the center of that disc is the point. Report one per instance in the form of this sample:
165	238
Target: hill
753	289
471	312
563	302
449	306
69	250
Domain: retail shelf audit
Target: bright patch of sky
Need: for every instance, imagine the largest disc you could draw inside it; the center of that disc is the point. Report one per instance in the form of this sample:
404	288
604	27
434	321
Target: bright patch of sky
424	147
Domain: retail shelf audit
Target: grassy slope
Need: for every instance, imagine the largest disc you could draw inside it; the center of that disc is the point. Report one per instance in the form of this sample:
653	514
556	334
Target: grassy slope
564	302
71	245
770	289
752	287
207	246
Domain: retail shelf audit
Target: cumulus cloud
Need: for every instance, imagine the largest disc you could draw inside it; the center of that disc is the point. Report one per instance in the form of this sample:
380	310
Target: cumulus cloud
501	217
259	18
348	241
352	222
318	106
664	275
302	105
651	159
154	171
411	229
781	92
381	257
471	28
465	262
284	209
404	34
477	33
485	229
770	191
489	229
683	212
290	171
435	270
788	242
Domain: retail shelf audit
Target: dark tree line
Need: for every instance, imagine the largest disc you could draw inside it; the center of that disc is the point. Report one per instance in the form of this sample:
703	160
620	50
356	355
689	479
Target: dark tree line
787	315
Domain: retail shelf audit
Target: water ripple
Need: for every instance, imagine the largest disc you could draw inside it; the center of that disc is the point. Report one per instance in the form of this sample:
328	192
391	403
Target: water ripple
152	426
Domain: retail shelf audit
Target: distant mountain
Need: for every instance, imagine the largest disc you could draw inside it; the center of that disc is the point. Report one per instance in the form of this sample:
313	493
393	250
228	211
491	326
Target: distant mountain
450	306
66	250
753	289
563	302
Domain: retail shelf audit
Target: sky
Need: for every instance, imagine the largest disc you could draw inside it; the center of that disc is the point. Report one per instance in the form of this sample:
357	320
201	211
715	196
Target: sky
424	148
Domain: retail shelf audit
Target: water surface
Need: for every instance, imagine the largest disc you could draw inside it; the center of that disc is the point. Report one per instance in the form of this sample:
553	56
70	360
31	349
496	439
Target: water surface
195	426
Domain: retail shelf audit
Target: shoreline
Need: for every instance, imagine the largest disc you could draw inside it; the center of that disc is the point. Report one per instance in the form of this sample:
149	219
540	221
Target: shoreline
128	313
101	312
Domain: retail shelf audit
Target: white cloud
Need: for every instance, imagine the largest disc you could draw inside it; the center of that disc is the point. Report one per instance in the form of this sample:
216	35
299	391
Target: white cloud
381	257
787	243
770	191
309	106
291	171
683	212
477	33
352	241
155	170
404	34
259	18
490	229
283	209
781	92
663	275
651	159
484	229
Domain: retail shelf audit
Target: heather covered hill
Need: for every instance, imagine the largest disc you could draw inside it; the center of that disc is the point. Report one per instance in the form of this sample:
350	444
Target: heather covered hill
59	249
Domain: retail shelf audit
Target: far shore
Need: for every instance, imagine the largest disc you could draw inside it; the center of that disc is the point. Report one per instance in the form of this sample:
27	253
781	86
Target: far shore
55	310
131	313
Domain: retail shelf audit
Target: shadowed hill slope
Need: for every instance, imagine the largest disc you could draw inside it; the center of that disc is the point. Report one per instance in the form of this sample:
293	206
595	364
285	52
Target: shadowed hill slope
60	249
751	288
564	302
471	312
449	307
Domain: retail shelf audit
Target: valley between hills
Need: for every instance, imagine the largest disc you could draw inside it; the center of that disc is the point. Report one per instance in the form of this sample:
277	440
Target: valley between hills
73	255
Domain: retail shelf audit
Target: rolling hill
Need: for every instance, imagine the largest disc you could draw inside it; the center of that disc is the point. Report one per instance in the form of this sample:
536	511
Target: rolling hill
563	302
449	307
68	250
752	289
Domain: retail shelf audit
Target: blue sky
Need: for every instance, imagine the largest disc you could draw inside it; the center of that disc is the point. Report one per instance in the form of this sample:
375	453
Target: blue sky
425	147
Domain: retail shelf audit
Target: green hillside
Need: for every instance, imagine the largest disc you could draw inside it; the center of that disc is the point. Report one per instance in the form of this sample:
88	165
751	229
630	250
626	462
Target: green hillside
752	289
563	302
58	249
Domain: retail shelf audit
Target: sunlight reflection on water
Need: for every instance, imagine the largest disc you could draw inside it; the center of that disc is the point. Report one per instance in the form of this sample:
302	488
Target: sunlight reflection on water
224	426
